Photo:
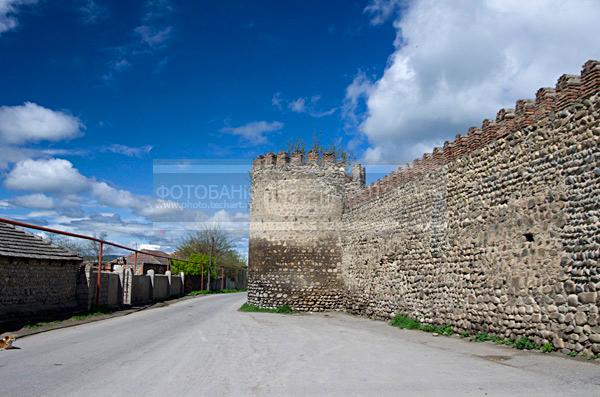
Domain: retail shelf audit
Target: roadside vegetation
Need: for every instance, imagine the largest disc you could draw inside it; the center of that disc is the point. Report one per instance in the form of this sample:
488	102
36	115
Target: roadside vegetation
522	343
206	252
77	317
284	309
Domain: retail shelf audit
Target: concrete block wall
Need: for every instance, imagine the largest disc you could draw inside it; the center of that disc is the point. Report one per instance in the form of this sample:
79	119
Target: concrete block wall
141	289
160	286
124	288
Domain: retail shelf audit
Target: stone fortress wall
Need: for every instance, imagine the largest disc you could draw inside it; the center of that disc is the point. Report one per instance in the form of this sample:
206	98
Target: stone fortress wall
498	231
295	246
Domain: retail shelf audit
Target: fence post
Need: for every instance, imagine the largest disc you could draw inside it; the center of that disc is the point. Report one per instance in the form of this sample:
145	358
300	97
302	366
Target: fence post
182	291
151	275
99	274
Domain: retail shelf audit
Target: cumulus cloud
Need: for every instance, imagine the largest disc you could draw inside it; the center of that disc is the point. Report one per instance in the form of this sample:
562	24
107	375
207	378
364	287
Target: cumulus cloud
32	123
58	176
255	131
8	13
458	62
35	201
358	91
129	151
51	175
145	206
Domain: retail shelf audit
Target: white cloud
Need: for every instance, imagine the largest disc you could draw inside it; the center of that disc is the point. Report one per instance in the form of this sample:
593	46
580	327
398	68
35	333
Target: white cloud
35	201
10	154
4	205
458	62
276	100
40	214
58	176
32	123
156	10
153	36
298	105
113	197
359	90
381	10
141	205
52	175
129	151
255	131
92	12
8	13
302	105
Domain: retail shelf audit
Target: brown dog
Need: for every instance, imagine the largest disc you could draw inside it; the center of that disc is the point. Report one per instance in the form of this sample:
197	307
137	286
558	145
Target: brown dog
6	342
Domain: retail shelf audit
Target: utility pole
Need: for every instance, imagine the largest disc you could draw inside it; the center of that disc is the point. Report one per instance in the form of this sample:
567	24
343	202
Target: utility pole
211	242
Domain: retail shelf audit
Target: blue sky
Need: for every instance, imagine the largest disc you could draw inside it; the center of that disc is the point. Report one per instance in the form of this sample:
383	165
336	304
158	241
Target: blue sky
92	92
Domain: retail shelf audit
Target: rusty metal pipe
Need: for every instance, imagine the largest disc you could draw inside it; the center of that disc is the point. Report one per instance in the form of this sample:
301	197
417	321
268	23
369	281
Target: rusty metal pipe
83	236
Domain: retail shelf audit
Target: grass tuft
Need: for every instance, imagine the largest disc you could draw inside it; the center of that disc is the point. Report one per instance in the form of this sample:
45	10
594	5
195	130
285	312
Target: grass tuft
409	323
248	308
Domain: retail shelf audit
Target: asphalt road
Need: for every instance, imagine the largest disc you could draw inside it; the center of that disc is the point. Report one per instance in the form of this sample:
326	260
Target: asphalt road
204	346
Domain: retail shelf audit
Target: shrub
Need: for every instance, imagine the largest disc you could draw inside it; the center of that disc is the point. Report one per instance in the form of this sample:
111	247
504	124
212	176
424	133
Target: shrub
547	347
446	330
483	337
524	343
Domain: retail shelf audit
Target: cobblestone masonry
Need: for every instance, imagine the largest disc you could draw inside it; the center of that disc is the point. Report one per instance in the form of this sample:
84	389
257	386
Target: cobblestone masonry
497	231
295	249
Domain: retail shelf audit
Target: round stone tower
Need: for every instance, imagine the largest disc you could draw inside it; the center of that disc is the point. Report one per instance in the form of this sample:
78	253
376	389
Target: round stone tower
295	221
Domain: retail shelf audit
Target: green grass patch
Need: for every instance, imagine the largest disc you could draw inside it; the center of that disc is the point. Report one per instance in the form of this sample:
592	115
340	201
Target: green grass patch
78	317
523	343
246	307
409	323
222	291
405	323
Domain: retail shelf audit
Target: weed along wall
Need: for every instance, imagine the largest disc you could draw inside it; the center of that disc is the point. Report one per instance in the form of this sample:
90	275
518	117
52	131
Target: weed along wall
498	231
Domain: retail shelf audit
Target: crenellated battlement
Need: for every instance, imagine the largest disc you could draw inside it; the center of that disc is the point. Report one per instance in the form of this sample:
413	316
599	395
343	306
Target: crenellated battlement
298	158
569	90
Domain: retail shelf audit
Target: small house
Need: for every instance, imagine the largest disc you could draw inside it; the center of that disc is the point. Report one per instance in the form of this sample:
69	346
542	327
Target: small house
36	277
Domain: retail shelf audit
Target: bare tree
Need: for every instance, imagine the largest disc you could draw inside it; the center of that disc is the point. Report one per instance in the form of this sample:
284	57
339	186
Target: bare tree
212	241
92	248
69	243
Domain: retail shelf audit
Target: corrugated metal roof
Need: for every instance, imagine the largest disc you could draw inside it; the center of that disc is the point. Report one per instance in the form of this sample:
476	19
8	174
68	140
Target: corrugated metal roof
21	244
